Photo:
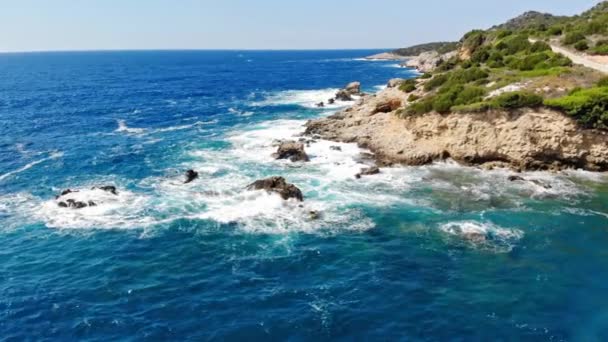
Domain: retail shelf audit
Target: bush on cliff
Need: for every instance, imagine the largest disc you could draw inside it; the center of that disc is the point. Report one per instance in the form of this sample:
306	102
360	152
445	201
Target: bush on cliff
408	86
588	106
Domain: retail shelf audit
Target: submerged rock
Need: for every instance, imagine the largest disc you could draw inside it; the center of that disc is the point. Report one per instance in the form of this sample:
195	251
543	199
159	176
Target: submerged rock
374	170
65	192
335	148
343	95
190	176
108	188
291	150
515	178
277	185
71	203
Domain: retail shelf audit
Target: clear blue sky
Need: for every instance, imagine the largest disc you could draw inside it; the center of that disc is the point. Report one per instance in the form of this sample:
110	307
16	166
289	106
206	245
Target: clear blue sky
29	25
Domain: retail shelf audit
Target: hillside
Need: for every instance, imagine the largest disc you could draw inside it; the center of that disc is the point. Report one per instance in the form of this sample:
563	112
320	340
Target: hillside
441	47
515	65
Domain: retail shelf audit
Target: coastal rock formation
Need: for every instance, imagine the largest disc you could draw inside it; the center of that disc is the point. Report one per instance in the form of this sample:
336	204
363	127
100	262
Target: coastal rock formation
385	56
395	82
108	188
277	185
369	171
387	106
291	150
428	61
191	175
353	88
74	204
527	139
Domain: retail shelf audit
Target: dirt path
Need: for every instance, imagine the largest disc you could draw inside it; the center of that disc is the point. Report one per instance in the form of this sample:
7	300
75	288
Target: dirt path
582	59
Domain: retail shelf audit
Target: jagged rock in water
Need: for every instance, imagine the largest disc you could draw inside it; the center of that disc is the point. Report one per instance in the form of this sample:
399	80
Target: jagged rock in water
291	150
320	105
335	148
374	170
515	178
314	215
353	88
343	95
108	188
331	101
278	185
191	175
65	192
71	203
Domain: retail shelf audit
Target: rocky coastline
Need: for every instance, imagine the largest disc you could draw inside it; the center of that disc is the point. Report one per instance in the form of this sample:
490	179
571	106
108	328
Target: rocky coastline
524	139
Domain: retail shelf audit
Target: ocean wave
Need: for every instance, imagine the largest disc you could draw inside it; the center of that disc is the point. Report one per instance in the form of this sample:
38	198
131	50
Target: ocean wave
53	155
304	98
239	112
484	235
123	128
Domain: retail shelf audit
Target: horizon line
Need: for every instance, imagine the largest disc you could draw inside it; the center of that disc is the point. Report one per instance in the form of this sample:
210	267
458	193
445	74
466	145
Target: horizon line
189	49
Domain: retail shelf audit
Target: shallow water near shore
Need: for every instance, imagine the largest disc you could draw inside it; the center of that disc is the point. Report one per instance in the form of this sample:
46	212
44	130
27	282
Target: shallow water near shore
439	252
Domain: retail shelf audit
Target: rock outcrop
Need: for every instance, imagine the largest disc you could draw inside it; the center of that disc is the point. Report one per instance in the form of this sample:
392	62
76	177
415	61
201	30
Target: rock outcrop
369	171
278	185
428	61
527	139
291	150
395	82
346	94
191	175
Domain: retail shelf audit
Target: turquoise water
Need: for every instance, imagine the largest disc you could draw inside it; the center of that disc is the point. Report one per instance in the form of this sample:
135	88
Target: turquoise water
439	252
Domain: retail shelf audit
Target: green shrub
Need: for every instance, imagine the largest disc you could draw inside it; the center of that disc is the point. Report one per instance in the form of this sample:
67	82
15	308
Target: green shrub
588	106
408	86
603	82
443	104
573	38
436	81
448	65
518	99
514	44
469	94
503	34
426	76
581	45
481	55
421	107
555	30
600	49
413	97
540	47
473	40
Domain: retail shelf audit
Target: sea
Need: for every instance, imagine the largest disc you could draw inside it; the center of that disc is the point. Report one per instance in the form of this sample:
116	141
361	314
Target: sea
429	253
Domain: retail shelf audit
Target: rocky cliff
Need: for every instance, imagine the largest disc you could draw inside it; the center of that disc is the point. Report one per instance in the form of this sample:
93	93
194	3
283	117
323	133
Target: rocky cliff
526	139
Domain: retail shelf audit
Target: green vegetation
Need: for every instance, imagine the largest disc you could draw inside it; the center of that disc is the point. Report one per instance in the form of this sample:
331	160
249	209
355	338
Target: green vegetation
506	101
518	52
408	86
441	47
413	97
588	106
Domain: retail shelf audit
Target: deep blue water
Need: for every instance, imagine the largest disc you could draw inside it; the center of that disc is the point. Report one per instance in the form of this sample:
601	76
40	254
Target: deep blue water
394	257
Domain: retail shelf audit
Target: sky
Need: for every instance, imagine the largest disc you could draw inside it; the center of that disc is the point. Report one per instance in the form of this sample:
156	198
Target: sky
41	25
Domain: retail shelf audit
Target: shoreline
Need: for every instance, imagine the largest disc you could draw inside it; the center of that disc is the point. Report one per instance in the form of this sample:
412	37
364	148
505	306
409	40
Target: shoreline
521	140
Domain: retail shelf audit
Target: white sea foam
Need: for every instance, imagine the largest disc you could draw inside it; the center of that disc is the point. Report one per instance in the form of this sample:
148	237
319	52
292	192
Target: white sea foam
239	112
54	155
123	128
125	210
484	234
304	98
